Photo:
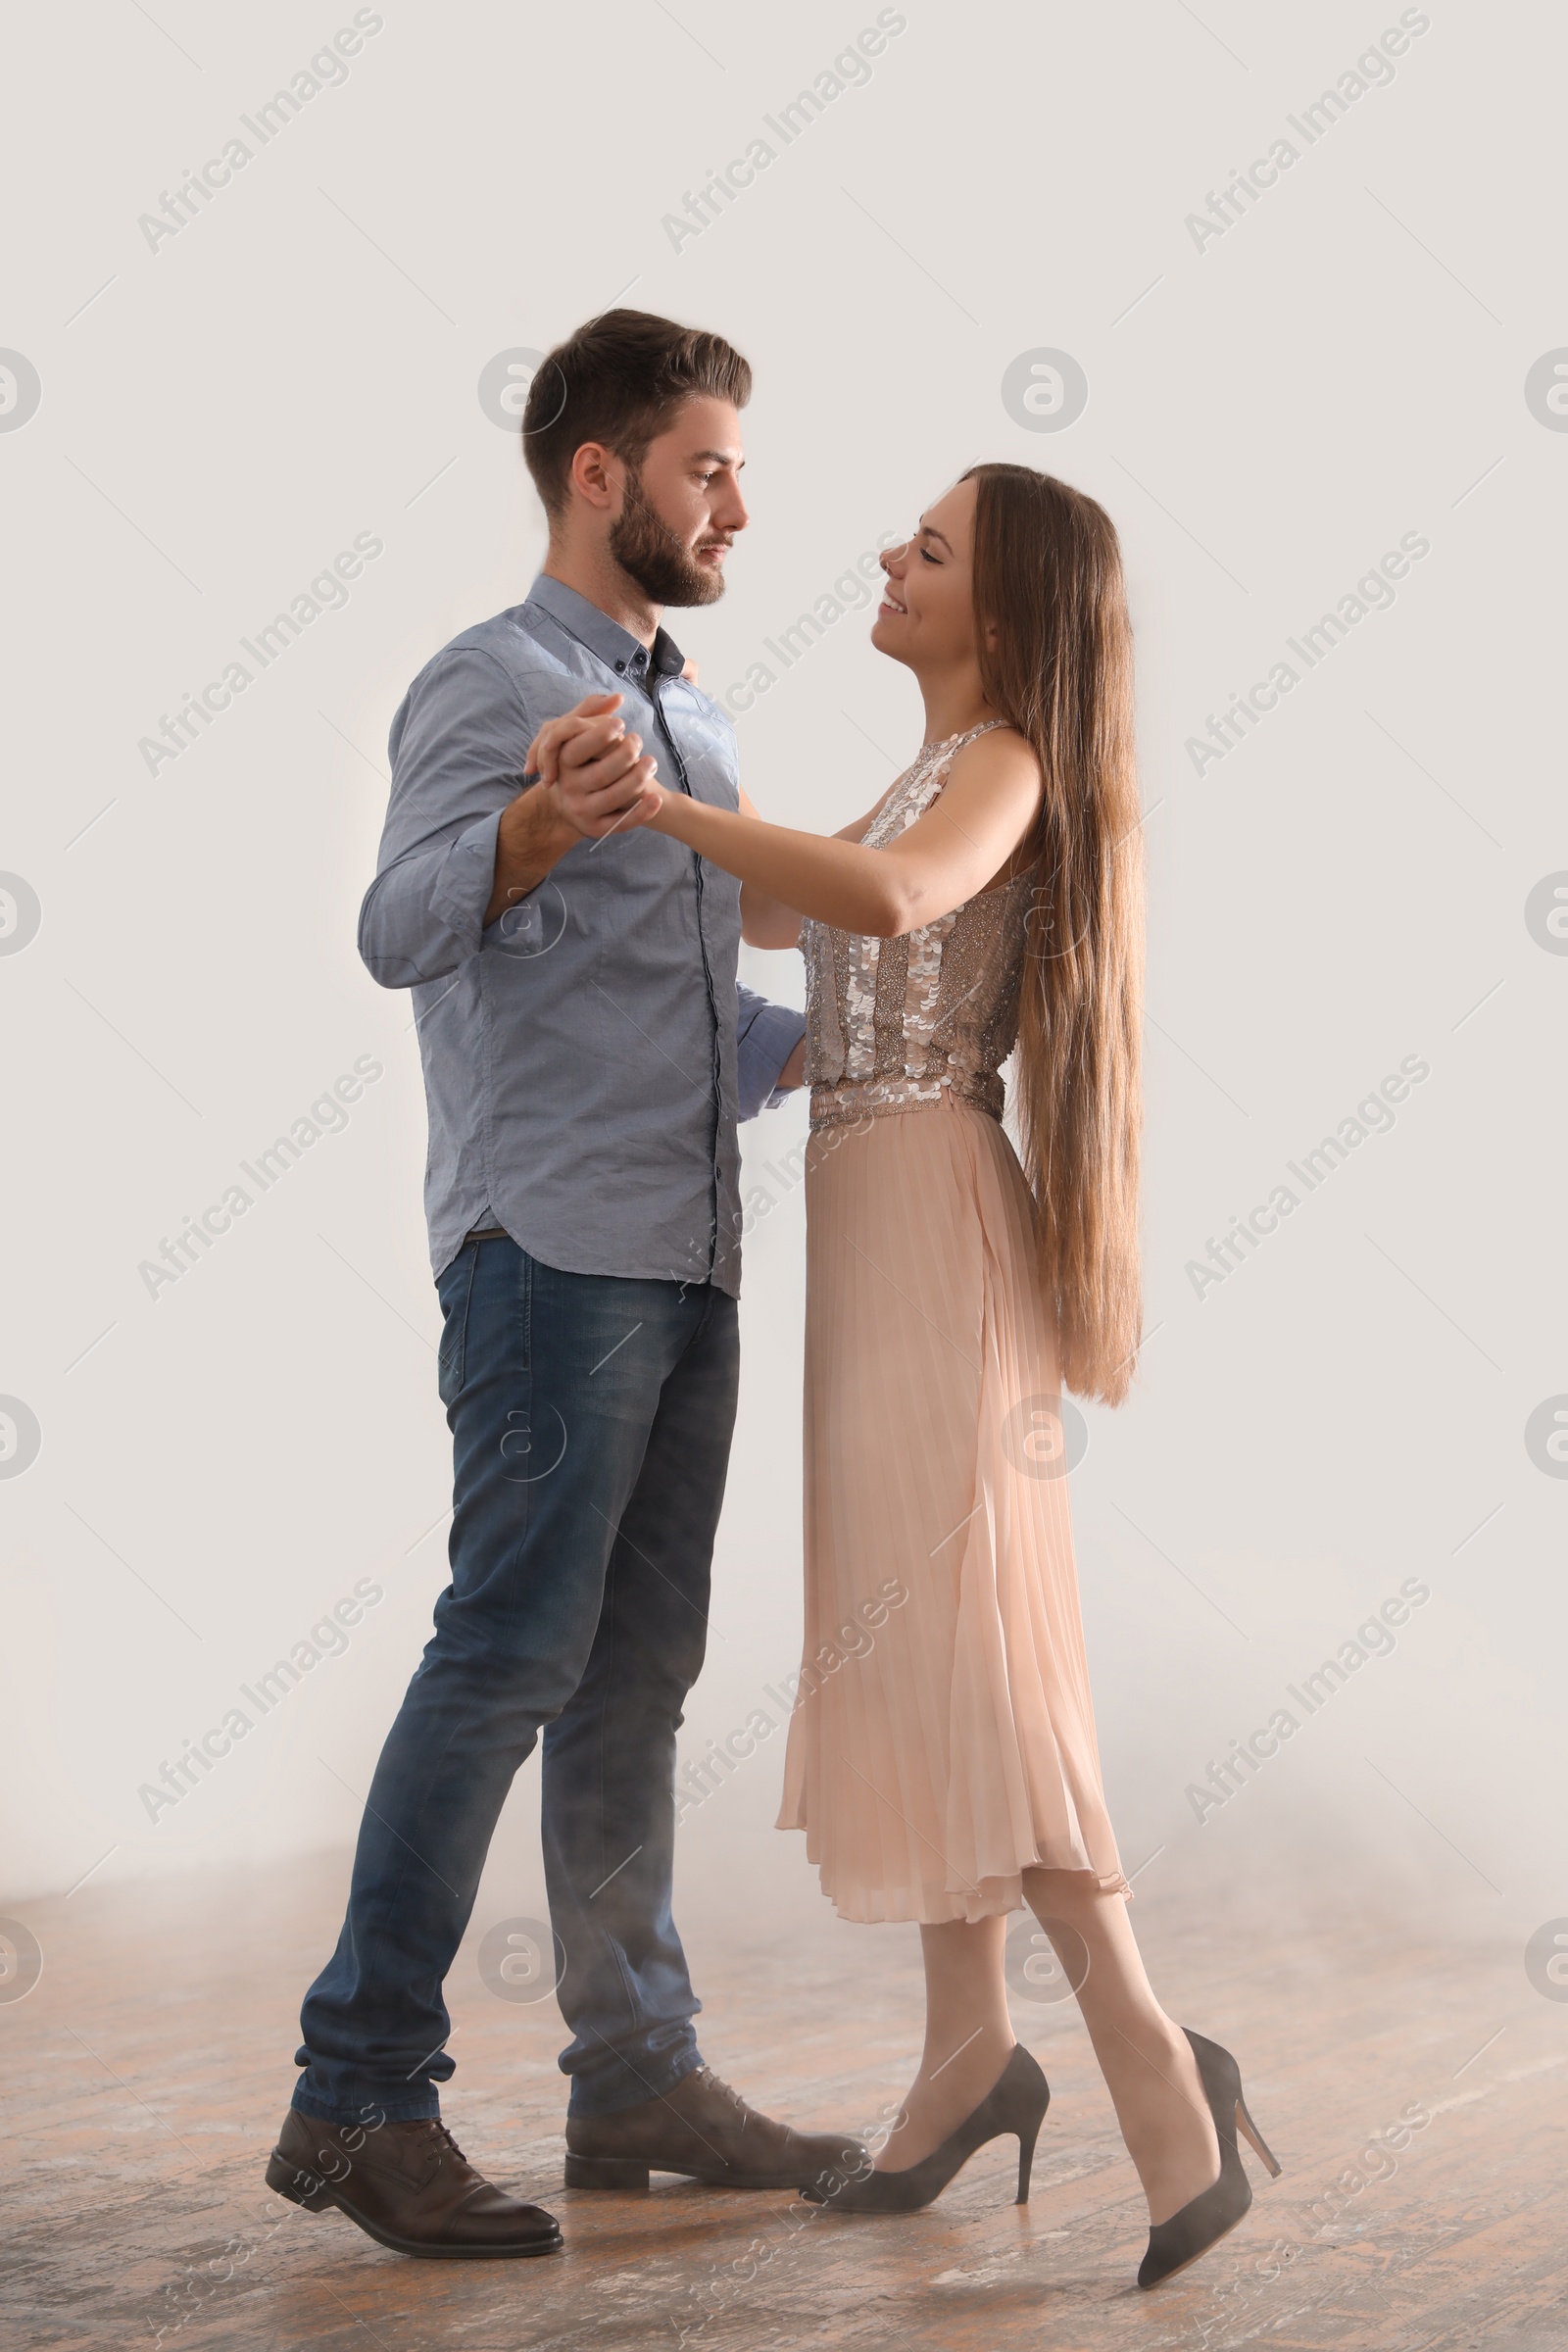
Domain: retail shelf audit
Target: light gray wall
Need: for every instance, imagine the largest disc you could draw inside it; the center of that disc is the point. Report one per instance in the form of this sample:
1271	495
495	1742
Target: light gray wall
1269	411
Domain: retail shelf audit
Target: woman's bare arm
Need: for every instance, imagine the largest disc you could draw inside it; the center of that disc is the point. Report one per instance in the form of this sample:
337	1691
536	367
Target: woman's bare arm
965	840
766	921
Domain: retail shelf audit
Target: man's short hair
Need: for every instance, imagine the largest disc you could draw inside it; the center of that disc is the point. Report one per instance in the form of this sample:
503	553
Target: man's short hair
619	380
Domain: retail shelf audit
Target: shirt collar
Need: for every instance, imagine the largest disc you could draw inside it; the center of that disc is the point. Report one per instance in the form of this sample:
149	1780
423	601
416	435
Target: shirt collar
614	646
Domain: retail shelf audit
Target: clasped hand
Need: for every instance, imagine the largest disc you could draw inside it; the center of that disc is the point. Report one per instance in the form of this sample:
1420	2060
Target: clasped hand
602	780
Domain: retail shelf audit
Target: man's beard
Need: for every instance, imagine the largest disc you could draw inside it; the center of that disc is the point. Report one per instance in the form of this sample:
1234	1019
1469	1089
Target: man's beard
658	558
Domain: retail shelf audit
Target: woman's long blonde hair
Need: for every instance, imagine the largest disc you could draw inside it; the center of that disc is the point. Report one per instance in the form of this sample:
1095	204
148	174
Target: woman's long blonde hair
1056	661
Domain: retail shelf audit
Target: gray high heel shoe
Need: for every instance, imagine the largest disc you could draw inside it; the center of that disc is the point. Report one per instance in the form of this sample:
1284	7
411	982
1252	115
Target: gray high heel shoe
1016	2103
1206	2217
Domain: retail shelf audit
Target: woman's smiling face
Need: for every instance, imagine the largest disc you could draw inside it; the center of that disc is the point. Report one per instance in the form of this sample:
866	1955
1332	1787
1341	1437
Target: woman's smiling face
926	617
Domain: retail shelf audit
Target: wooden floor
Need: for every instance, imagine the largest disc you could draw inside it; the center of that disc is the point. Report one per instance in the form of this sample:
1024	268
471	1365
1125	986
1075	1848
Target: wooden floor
148	2070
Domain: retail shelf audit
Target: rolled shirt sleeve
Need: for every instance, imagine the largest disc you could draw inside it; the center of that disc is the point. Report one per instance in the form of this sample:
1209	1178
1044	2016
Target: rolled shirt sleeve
766	1035
458	748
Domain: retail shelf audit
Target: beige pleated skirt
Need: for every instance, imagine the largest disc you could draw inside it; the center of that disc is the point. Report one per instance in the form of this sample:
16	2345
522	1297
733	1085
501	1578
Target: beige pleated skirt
943	1736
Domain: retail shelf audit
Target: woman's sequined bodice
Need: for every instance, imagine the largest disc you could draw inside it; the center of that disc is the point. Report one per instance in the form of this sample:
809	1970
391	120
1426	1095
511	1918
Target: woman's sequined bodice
894	1023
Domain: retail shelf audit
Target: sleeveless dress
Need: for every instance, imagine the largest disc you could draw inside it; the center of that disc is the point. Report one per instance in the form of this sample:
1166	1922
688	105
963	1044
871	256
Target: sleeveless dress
942	1740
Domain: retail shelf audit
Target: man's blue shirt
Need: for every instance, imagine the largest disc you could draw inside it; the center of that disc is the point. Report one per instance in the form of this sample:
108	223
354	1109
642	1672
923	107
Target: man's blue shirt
586	1057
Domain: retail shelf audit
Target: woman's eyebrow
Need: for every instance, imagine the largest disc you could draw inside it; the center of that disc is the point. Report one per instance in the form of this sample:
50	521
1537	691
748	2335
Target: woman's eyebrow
928	531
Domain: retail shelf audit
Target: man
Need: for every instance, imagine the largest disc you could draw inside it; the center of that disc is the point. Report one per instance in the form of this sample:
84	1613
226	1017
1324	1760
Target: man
585	1055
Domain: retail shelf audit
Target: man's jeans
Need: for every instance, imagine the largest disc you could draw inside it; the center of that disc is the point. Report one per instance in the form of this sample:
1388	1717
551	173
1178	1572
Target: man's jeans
591	1419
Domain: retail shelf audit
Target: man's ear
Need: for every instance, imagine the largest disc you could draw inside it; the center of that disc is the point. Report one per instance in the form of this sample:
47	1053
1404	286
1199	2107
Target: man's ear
596	475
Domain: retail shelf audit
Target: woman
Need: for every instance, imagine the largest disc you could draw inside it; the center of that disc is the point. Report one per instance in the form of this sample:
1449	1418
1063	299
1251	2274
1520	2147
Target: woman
990	898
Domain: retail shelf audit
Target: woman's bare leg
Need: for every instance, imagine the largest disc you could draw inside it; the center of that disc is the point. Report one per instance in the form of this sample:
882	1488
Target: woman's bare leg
1147	2061
968	2038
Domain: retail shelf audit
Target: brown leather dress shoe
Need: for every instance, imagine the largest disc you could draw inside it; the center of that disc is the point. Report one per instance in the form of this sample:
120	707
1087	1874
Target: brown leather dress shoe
408	2185
705	2130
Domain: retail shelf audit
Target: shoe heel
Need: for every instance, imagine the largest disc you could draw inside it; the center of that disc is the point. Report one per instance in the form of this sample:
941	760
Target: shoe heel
288	2180
625	2172
1254	2138
1026	2158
